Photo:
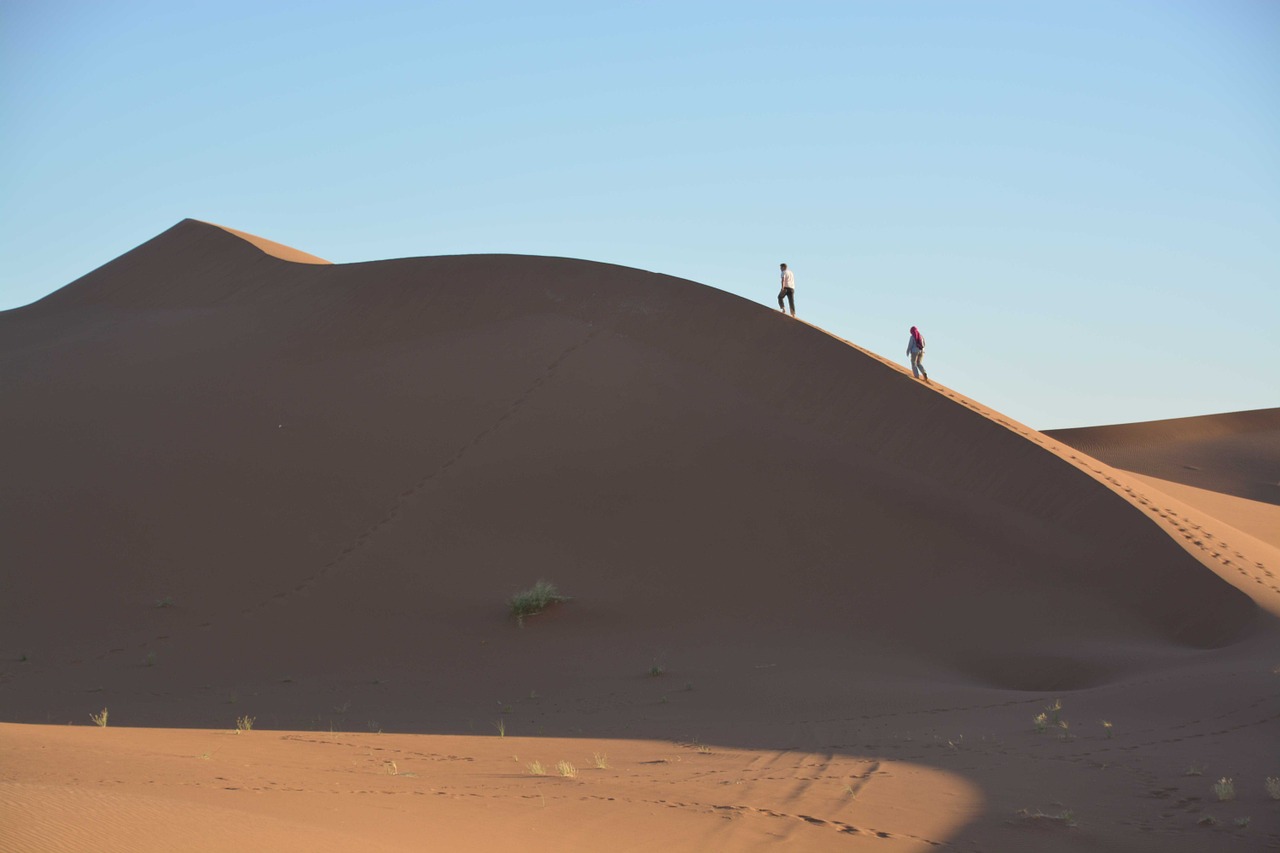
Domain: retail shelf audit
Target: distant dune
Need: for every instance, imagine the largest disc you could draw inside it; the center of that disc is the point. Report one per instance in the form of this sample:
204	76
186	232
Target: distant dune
1236	453
244	480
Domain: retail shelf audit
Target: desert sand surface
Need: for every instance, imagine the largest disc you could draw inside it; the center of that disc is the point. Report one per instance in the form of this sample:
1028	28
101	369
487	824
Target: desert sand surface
816	604
1237	453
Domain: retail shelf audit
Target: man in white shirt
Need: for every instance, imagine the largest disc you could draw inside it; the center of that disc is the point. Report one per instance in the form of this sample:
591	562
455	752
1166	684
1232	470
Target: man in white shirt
788	290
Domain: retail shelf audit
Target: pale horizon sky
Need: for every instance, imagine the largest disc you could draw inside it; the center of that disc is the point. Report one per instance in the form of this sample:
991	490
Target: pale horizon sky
1077	202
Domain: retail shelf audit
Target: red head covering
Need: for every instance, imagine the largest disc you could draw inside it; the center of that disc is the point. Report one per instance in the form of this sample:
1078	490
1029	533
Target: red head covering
915	333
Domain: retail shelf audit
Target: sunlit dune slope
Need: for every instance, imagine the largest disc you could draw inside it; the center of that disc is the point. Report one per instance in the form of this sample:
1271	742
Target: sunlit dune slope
323	465
1237	453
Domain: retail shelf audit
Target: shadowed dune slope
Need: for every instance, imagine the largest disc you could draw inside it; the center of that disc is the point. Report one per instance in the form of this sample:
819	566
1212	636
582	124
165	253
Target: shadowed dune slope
1237	453
321	466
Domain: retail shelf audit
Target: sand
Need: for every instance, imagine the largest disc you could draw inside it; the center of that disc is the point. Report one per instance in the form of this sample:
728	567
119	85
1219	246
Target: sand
815	603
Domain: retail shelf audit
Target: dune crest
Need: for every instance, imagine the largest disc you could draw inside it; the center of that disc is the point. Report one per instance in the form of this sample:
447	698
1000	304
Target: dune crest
1236	453
270	247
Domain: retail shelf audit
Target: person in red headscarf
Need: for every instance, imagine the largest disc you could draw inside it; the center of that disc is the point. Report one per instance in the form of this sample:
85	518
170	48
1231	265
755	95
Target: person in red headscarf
915	352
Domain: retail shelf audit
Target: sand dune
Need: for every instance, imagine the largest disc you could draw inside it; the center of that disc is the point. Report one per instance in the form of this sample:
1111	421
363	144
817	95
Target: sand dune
1236	453
240	484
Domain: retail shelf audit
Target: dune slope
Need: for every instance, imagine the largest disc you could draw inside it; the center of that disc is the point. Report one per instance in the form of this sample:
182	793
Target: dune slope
1237	453
253	437
240	483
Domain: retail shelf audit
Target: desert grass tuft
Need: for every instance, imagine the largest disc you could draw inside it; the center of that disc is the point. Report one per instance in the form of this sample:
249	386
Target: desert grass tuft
534	600
1243	822
536	768
1108	728
501	727
1049	717
600	761
1065	818
1224	789
1272	785
244	723
100	718
567	770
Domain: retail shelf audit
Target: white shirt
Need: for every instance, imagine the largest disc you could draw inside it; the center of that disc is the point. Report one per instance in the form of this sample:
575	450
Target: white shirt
788	279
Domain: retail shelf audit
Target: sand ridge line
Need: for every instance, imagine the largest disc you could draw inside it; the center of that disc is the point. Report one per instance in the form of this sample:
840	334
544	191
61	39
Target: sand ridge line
1166	518
1182	525
395	512
1171	520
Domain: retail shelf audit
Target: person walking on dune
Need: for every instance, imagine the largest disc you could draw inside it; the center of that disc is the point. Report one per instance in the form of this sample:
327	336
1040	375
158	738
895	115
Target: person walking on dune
788	290
915	352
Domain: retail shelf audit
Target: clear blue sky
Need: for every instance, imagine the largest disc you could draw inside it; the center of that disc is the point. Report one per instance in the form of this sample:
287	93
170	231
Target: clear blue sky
1077	202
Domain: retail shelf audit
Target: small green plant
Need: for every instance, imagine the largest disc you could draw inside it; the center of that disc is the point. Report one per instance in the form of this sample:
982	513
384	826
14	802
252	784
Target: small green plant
1064	730
151	659
1272	785
1242	822
656	669
567	770
536	768
1041	722
1208	820
1065	818
164	602
501	726
1107	727
534	600
1053	711
1194	770
244	724
600	761
100	718
1224	789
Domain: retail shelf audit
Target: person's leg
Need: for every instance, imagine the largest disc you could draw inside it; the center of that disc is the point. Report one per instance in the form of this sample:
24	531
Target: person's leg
781	294
791	297
920	361
915	364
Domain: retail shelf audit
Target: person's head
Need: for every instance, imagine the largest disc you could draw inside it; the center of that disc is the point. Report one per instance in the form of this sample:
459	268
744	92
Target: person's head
782	266
913	330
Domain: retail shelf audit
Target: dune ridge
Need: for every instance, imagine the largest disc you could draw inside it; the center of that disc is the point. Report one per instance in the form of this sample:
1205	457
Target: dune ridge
304	490
1236	453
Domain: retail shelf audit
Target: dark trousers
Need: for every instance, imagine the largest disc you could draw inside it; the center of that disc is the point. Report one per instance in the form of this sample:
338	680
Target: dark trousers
790	294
